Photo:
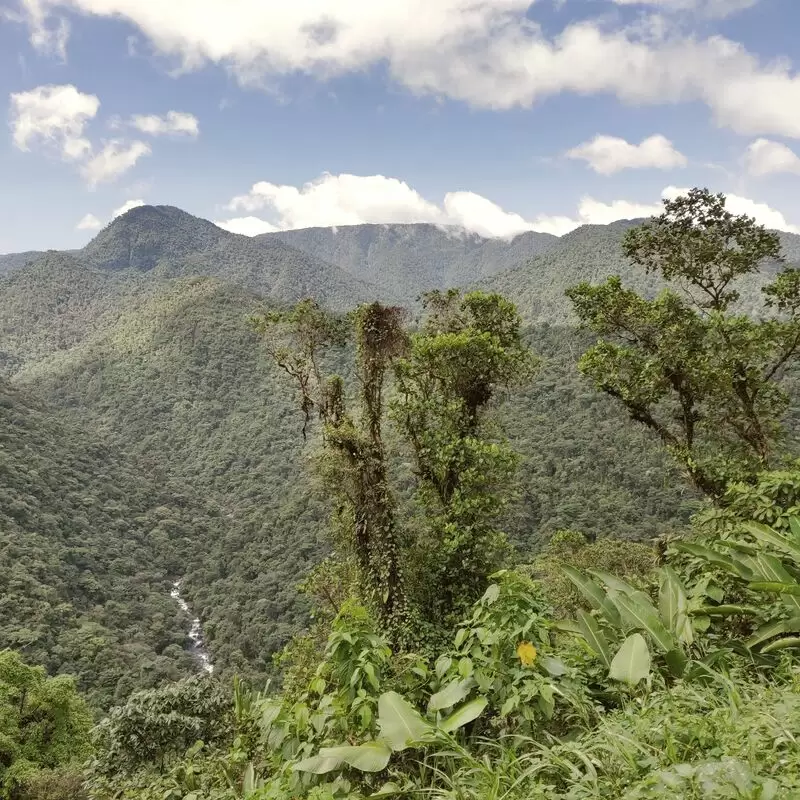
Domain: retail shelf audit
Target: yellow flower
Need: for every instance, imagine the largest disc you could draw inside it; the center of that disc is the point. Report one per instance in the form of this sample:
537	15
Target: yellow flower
527	653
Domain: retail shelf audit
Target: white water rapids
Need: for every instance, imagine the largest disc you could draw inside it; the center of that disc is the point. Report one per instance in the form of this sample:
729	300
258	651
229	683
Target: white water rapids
196	633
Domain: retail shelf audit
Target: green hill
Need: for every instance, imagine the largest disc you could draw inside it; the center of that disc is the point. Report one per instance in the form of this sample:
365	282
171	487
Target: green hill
163	373
87	547
405	260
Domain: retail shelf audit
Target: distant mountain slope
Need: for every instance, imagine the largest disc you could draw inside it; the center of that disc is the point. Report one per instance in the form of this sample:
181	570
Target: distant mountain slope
11	261
172	243
405	260
593	253
176	379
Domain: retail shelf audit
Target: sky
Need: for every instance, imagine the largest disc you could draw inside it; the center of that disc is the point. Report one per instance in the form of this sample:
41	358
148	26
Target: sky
498	116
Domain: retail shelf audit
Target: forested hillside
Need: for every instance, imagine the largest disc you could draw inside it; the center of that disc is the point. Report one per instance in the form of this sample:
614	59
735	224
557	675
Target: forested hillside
405	260
88	545
167	373
152	392
593	253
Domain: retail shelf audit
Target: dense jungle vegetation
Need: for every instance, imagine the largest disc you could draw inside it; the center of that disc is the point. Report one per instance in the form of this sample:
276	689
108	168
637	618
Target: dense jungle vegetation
537	561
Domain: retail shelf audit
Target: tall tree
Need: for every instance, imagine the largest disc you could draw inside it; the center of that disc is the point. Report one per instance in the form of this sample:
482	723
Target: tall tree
688	364
352	434
445	376
468	348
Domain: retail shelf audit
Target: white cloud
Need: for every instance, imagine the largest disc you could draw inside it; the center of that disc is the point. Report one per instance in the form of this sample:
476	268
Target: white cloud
174	123
764	157
247	226
488	53
706	8
477	214
115	159
333	200
610	154
54	117
89	223
126	207
339	200
596	212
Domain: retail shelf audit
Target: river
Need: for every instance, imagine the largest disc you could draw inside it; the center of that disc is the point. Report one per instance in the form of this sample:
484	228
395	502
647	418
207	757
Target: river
195	633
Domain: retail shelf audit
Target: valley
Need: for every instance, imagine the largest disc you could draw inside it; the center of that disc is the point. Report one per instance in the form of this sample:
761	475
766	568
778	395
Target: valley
163	369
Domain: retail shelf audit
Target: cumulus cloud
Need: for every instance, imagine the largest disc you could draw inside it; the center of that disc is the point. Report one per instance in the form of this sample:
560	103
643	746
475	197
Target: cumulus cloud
247	226
764	157
173	123
596	212
54	117
333	200
126	207
610	154
115	159
479	215
488	53
89	223
339	200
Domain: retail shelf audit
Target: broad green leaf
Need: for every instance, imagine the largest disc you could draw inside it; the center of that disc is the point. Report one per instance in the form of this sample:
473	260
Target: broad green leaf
269	713
772	537
673	605
318	765
707	554
387	790
249	780
612	581
367	757
443	663
453	693
782	644
676	661
772	629
554	666
400	723
773	571
597	642
631	664
777	588
594	593
794	527
491	594
640	613
727	611
463	715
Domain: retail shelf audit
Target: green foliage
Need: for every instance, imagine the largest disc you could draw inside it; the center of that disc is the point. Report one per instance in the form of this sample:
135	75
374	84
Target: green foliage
764	561
155	727
44	730
704	378
634	562
468	349
86	546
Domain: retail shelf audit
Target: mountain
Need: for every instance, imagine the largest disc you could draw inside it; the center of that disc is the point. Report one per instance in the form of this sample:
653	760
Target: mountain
593	253
11	261
168	374
405	260
134	362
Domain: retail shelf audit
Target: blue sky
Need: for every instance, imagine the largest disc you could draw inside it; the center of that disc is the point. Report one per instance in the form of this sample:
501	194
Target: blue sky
496	115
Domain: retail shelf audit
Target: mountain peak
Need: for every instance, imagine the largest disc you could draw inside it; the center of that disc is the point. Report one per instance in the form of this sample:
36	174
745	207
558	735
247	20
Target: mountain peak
145	235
